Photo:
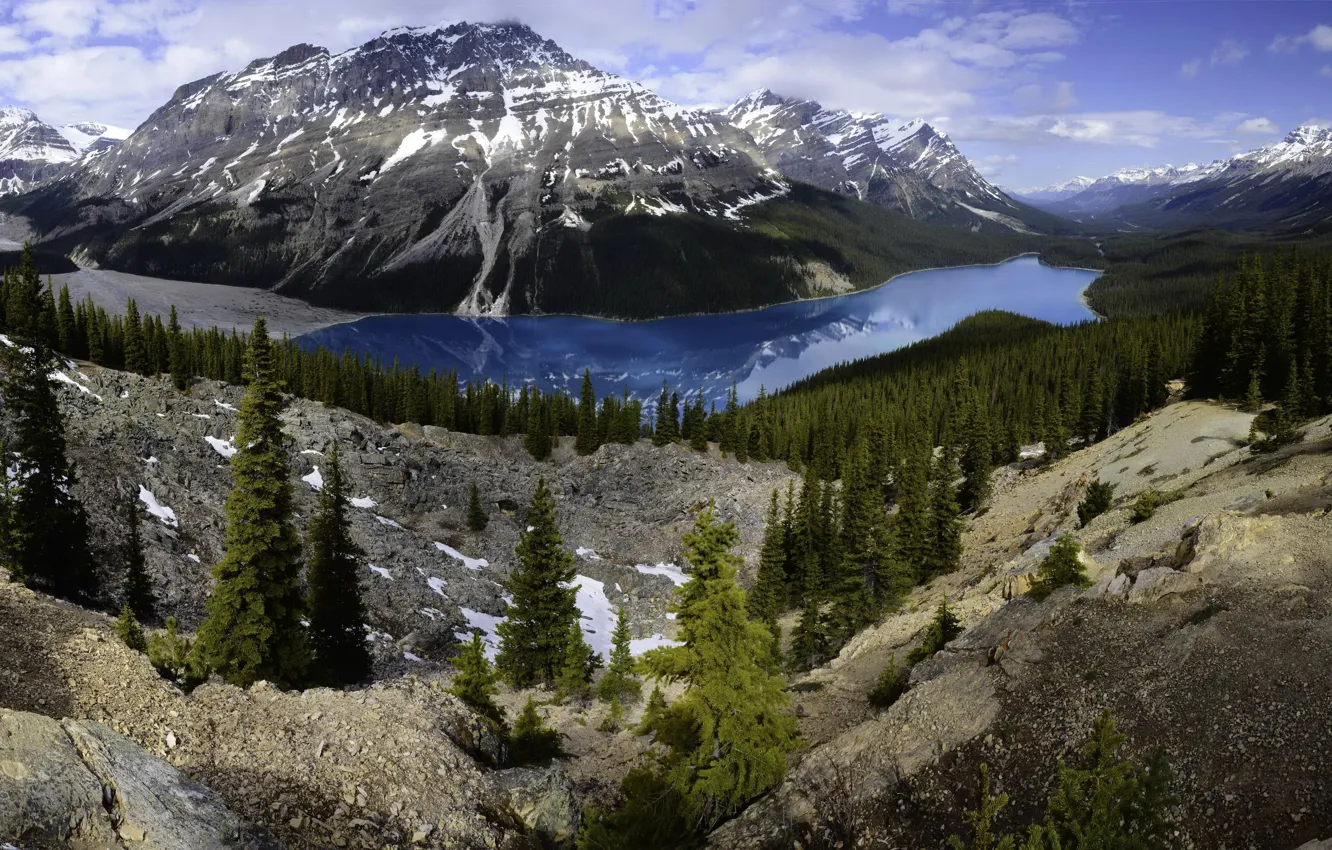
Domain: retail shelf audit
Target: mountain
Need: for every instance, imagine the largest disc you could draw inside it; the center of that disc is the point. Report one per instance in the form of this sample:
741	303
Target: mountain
32	150
1036	195
1282	187
906	166
479	169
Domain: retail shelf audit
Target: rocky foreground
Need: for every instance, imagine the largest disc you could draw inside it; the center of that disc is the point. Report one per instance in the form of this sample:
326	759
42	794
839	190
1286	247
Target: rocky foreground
1207	630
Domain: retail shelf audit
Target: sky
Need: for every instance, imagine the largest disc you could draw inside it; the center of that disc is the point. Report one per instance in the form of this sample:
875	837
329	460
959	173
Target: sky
1033	92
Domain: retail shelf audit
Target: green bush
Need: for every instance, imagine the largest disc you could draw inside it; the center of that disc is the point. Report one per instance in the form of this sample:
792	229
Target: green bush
174	657
1060	568
943	628
532	740
1145	507
892	683
129	631
1097	501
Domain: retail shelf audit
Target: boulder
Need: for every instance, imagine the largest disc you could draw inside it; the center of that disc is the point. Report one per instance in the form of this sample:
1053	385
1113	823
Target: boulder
1154	583
79	784
544	797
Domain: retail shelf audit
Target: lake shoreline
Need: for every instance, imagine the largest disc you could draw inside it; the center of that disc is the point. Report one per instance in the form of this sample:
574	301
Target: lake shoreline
810	300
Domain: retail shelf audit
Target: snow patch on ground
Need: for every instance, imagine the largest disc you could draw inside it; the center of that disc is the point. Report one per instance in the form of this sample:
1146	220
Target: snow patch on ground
364	502
597	614
157	509
224	406
670	571
437	585
193	557
412	657
314	479
647	644
486	624
477	564
226	448
590	554
66	379
383	572
383	520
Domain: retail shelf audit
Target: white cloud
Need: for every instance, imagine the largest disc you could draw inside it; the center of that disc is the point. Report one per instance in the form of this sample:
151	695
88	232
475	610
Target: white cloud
1229	52
1035	98
1320	37
1137	128
1257	127
1190	69
62	18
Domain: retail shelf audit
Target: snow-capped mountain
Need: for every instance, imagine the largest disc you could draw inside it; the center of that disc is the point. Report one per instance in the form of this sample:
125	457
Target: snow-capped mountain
907	166
458	165
1053	192
31	150
1287	185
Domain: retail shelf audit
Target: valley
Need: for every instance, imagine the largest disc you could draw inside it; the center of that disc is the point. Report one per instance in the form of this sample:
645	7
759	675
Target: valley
511	435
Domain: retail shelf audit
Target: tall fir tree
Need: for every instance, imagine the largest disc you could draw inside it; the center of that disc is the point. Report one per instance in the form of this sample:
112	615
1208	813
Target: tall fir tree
252	629
619	681
337	612
138	591
475	681
136	358
731	730
769	595
945	525
477	519
537	440
535	634
48	523
589	438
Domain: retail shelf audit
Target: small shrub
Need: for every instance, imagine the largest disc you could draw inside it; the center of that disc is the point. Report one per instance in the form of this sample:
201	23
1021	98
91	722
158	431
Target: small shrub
807	687
942	629
652	712
892	683
1145	507
174	657
614	716
129	631
532	740
1060	568
1099	497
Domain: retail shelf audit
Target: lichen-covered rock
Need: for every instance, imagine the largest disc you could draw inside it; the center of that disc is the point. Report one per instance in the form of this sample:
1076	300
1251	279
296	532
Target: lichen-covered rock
545	798
80	785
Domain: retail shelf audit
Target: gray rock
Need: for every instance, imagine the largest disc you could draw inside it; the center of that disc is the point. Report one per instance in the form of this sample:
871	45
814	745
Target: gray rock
1154	583
544	797
79	784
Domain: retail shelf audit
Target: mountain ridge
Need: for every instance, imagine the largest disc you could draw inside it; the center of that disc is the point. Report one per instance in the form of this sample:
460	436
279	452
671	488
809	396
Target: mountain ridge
475	168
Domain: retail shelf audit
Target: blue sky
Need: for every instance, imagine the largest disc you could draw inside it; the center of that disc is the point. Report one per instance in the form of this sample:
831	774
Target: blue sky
1033	92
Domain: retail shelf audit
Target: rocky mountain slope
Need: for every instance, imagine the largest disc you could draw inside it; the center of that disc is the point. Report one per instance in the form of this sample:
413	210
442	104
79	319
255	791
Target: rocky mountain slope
1206	631
1206	624
480	169
906	166
1285	187
1055	192
32	150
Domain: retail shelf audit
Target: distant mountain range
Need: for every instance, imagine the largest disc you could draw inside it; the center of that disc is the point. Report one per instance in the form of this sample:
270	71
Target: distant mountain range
482	169
31	148
906	166
1286	186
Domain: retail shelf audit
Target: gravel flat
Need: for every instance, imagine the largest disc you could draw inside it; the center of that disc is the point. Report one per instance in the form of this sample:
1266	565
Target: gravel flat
201	305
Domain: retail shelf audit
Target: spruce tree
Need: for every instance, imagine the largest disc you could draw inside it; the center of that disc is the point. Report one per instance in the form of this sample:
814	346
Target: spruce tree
477	520
129	631
589	438
138	593
1060	567
619	681
136	358
253	629
733	728
941	630
945	526
66	329
537	440
769	596
337	613
535	634
475	682
48	524
574	679
667	428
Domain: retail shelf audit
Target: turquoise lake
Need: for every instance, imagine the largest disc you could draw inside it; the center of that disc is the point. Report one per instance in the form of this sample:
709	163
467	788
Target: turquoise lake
773	346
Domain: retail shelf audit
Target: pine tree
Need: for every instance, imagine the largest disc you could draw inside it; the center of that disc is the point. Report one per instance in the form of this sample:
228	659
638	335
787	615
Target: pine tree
941	630
138	594
667	428
769	596
945	527
253	625
477	520
734	730
136	359
574	679
652	711
48	525
66	329
475	682
536	631
619	681
129	631
1100	496
890	685
337	613
537	439
589	439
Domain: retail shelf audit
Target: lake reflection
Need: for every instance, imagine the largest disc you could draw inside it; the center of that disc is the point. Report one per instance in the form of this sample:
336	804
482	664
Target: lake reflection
772	346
